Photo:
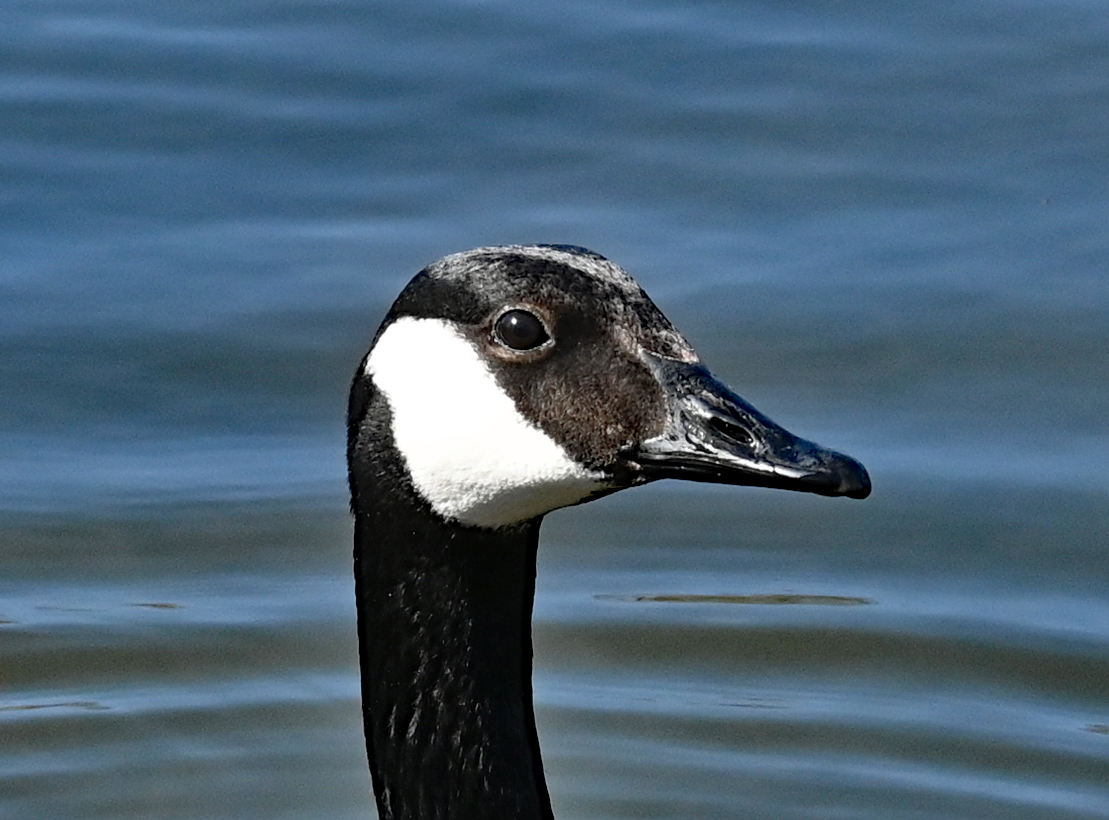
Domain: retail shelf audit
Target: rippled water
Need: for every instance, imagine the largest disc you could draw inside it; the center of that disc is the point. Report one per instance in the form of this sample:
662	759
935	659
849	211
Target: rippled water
886	225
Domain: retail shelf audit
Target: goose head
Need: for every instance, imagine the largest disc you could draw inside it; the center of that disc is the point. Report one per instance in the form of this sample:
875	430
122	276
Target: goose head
521	379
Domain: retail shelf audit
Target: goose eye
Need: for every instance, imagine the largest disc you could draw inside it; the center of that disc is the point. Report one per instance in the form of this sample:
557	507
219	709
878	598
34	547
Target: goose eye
520	330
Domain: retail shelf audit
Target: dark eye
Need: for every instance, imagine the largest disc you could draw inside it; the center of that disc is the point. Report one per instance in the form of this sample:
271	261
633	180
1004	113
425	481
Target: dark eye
520	330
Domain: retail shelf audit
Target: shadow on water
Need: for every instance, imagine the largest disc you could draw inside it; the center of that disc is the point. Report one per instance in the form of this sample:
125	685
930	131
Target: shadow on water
772	598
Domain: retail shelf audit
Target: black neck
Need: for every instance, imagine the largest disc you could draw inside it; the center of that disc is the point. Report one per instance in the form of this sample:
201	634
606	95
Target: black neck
444	626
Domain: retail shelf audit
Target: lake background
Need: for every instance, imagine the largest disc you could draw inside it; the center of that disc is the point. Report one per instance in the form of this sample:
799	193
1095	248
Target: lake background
885	224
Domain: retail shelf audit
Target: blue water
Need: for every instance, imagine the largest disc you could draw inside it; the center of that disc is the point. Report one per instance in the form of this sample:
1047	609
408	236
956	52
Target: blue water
886	225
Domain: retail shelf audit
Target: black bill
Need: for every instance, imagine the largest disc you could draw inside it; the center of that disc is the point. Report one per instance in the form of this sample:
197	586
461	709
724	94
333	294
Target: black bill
713	435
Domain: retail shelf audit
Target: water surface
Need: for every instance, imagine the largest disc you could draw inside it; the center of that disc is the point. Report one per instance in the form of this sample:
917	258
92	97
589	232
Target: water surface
884	225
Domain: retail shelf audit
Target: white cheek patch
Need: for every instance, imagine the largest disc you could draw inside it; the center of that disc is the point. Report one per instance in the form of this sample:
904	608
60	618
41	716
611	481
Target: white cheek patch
470	453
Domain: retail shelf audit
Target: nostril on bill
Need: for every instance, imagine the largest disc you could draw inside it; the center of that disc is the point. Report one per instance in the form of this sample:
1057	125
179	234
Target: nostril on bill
732	431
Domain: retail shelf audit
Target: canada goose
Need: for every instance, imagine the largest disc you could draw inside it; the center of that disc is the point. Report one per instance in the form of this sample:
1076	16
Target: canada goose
504	383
